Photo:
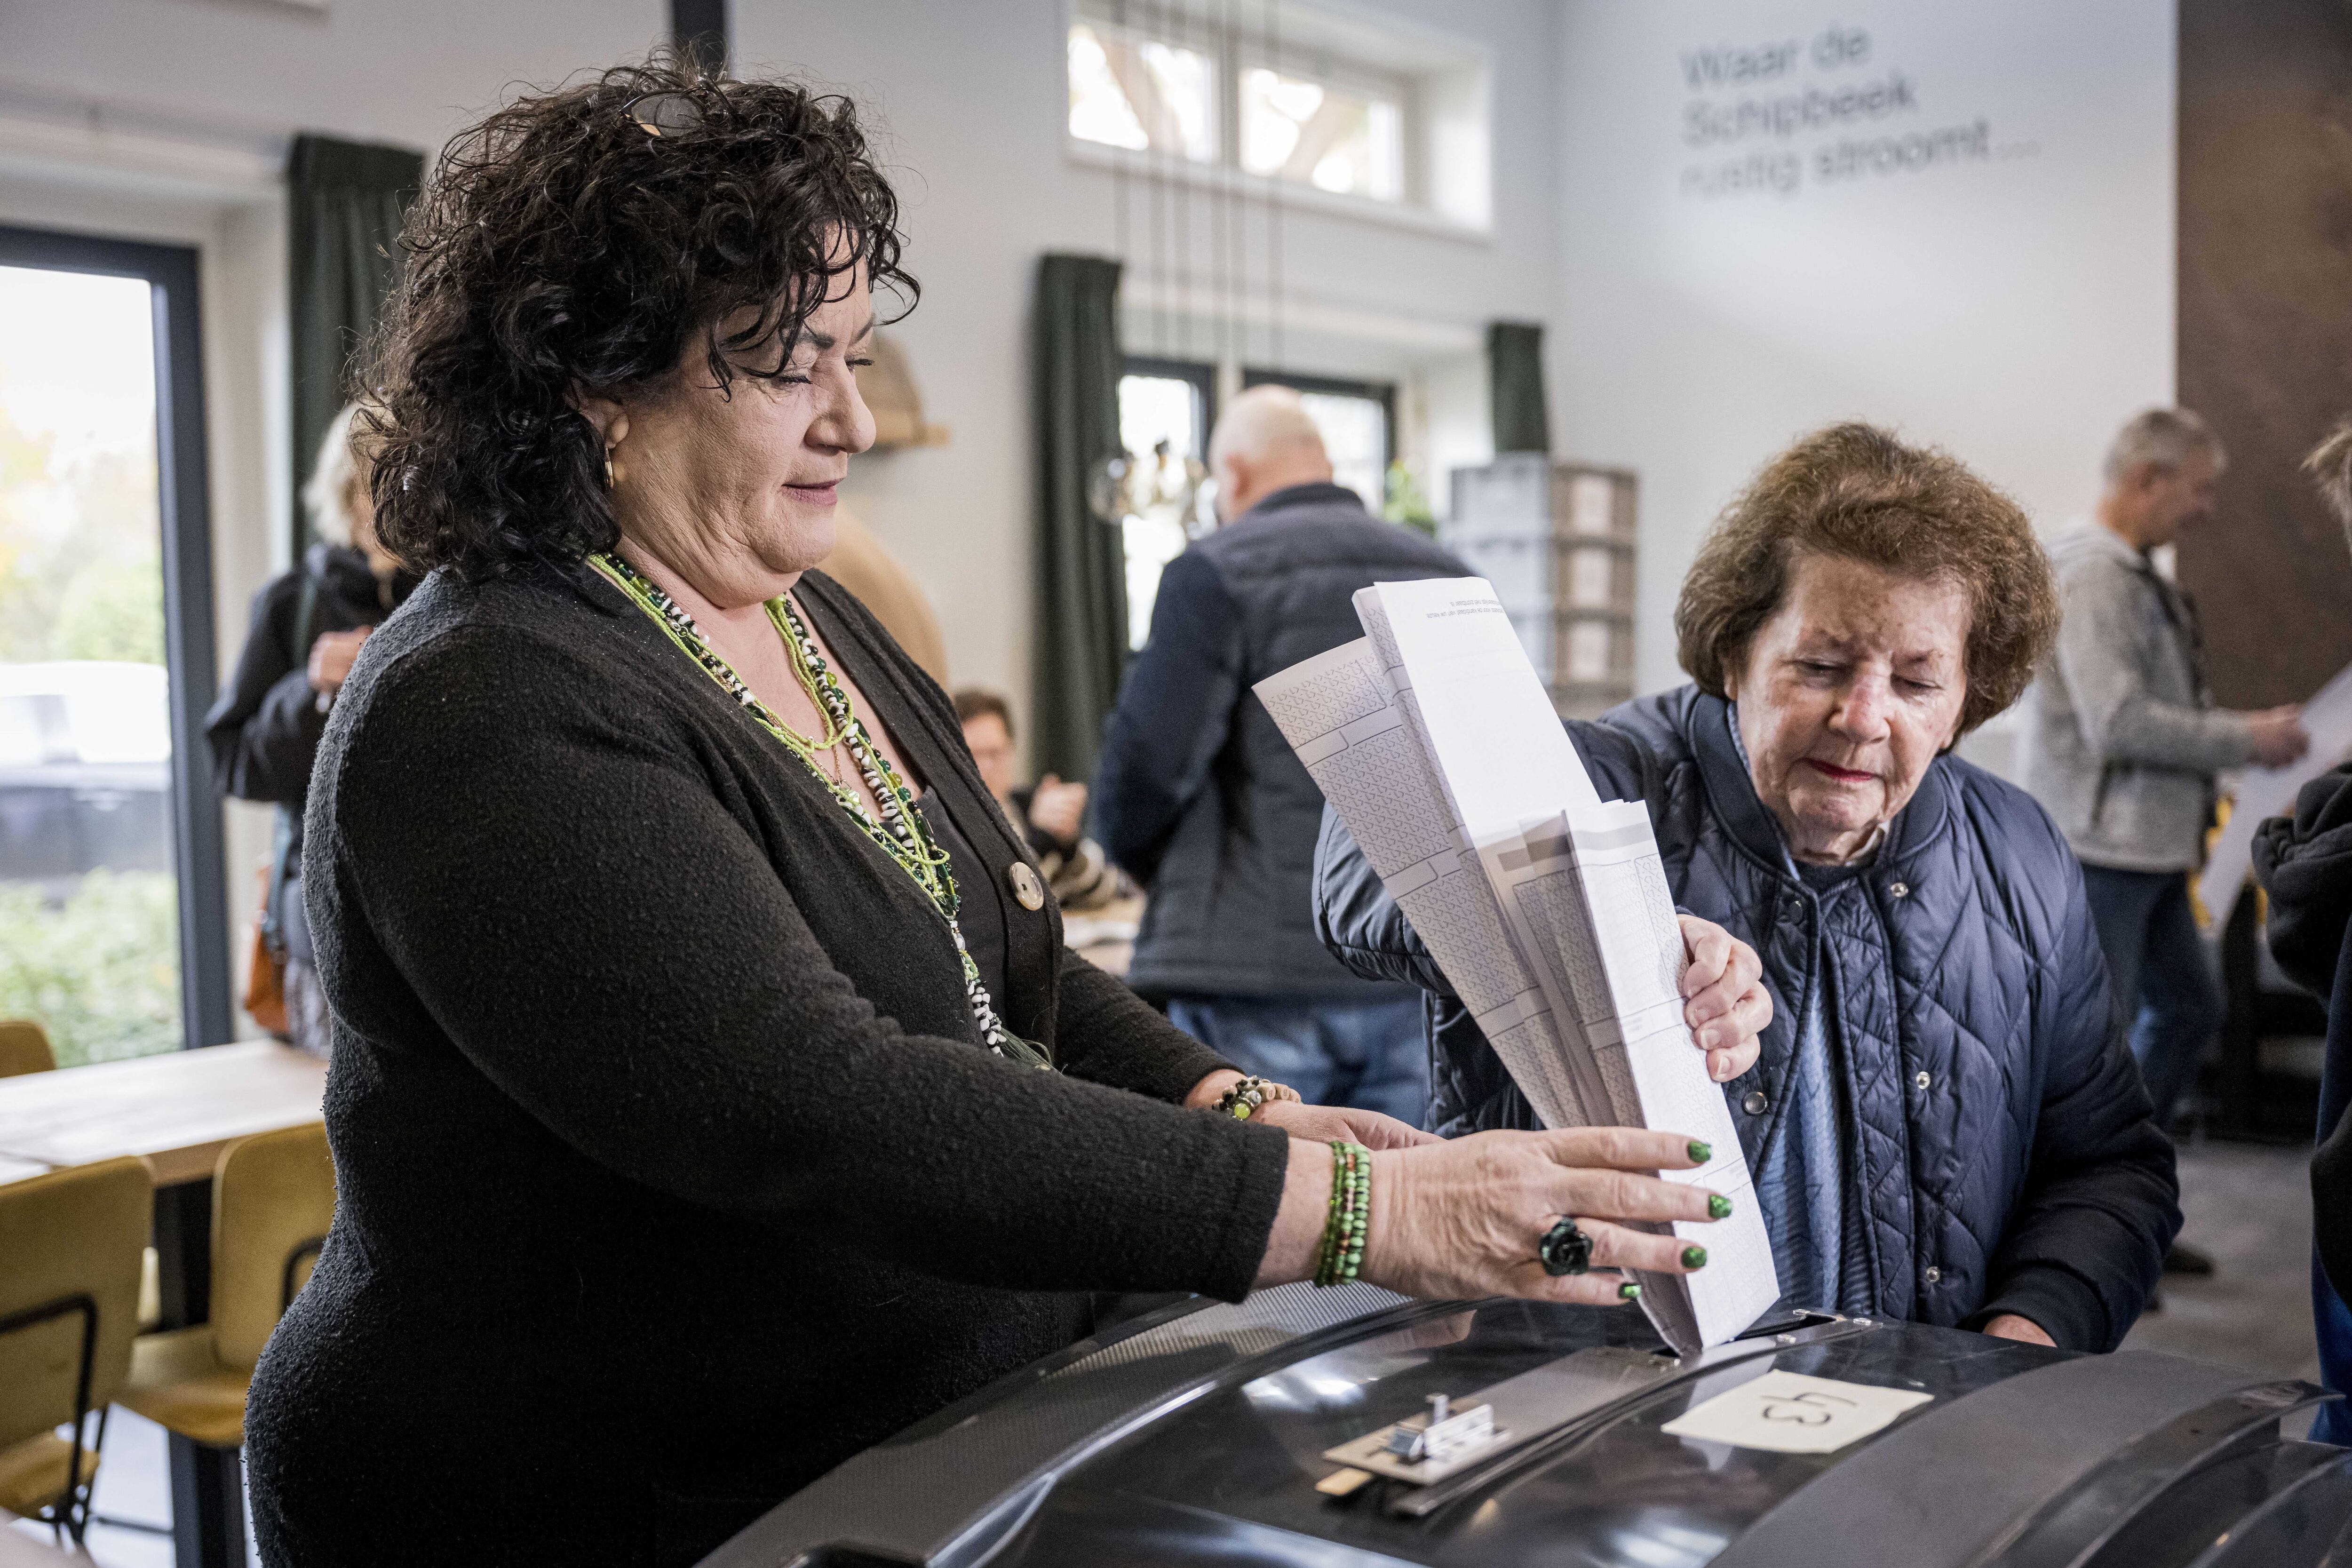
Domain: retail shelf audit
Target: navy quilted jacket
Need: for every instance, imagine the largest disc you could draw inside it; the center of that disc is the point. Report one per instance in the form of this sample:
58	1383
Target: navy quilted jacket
2008	1155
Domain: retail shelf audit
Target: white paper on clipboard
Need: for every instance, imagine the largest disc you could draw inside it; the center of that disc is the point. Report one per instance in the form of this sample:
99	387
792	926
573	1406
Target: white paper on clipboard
2270	792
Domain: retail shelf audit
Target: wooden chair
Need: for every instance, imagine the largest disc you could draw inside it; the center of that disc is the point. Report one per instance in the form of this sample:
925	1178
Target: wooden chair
68	1304
24	1048
273	1199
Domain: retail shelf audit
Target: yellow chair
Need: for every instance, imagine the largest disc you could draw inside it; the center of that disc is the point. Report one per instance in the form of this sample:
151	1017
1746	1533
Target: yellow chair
69	1308
273	1199
24	1048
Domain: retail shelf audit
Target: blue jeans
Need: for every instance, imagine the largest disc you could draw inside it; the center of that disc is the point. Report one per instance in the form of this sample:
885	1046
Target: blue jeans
1370	1056
2162	977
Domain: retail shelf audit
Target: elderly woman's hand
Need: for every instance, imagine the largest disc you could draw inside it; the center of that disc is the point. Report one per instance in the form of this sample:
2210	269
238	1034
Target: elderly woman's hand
2009	1326
1727	1005
1464	1218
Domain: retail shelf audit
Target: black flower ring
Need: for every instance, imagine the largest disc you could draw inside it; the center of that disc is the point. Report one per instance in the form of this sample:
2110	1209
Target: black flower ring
1565	1249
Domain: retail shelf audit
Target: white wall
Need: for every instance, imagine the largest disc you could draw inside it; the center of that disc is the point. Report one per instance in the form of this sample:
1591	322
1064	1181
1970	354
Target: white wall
410	72
2014	308
973	98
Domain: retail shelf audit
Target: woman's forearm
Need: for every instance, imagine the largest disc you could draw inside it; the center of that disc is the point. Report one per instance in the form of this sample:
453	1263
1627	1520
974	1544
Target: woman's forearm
1211	1090
1106	1033
1297	1234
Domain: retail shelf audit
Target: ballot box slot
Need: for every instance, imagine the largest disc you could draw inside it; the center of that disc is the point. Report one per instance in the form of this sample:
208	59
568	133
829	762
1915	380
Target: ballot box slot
1529	1418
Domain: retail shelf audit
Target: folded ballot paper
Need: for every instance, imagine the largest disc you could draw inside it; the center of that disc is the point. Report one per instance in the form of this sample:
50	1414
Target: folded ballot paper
1546	906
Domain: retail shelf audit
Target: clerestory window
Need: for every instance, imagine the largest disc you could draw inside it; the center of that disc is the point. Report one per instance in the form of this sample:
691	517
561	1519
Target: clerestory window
1307	98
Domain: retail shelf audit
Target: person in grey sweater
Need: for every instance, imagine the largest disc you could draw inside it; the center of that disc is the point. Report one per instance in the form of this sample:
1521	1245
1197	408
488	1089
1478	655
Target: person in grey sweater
2122	741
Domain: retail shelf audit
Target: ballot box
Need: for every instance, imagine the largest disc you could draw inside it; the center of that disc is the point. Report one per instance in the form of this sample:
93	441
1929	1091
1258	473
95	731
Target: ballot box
1350	1427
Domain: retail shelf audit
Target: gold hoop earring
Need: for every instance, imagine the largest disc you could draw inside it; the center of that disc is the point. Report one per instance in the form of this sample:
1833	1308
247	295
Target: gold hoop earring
608	469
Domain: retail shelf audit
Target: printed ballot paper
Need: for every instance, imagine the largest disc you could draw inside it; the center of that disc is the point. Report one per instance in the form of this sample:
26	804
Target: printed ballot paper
1545	907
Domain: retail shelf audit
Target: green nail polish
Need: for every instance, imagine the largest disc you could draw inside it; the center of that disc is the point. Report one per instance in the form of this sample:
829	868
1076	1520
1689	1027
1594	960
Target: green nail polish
1629	1291
1701	1153
1694	1257
1719	1206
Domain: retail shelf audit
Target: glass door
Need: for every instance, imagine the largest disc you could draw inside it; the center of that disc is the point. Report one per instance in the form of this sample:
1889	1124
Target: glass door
1166	408
111	913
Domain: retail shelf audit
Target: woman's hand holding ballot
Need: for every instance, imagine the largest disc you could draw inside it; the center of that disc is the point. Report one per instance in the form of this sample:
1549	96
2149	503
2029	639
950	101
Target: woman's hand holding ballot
1525	1214
1470	1217
1726	1007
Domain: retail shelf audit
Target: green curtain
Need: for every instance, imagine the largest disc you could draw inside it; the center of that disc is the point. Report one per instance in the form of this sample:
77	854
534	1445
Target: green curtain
698	28
345	205
1081	572
1514	387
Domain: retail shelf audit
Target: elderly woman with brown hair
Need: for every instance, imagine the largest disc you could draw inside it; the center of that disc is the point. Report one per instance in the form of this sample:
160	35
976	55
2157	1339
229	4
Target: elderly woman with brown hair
1944	1122
713	1094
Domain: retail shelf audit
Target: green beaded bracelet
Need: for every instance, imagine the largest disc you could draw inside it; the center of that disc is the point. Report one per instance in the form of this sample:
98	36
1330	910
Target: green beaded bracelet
1348	1217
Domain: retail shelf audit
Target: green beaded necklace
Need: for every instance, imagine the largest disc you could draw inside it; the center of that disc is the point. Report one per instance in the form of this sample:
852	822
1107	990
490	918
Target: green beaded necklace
901	831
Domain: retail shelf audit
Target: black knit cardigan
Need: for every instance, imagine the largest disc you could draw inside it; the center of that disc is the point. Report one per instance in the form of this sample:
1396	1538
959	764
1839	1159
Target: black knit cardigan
671	1171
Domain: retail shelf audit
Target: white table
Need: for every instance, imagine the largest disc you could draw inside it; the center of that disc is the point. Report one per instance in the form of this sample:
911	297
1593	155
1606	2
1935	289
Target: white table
176	1110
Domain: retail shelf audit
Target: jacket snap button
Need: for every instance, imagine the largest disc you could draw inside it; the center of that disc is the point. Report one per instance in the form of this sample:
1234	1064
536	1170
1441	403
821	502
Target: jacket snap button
1755	1102
1923	1081
1901	890
1934	1274
1025	886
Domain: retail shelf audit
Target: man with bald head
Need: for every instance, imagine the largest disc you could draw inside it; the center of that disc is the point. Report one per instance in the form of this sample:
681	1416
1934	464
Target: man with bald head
1200	798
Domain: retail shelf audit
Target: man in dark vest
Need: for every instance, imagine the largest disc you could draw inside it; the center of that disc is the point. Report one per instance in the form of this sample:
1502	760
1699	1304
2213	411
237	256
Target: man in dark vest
1200	800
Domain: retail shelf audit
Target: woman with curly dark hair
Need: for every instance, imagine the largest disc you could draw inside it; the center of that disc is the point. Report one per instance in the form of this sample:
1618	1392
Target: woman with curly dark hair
1943	1122
713	1095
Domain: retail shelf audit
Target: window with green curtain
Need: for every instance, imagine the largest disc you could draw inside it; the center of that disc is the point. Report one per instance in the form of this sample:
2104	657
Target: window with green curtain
345	203
1515	385
1081	567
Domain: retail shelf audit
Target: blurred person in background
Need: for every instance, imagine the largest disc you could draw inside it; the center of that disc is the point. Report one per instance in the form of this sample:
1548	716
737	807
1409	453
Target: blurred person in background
1199	797
1051	814
2122	743
2304	863
308	626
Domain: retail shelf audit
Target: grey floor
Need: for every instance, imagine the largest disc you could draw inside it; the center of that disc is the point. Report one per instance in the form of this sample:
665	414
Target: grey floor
2248	1207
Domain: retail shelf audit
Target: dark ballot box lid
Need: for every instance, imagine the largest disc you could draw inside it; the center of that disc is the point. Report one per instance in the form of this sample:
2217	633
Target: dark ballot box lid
1197	1434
